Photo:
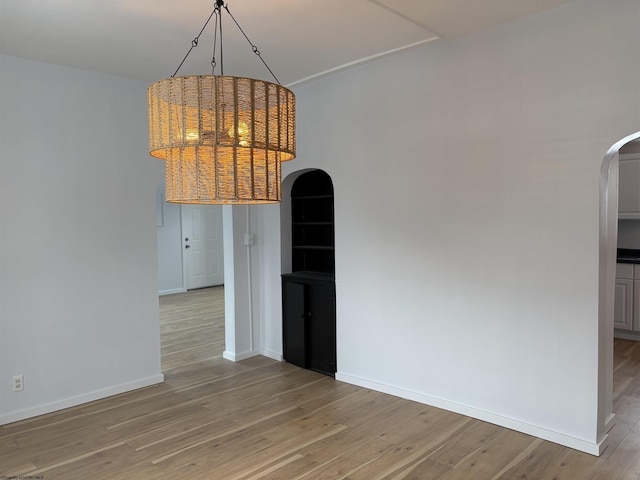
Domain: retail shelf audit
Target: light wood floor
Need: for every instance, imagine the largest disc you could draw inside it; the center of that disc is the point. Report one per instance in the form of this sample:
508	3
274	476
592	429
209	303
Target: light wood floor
213	419
191	327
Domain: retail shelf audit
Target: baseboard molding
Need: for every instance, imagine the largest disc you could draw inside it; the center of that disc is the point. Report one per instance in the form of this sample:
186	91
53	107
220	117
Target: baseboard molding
610	422
79	399
545	434
270	354
171	292
626	335
608	425
237	357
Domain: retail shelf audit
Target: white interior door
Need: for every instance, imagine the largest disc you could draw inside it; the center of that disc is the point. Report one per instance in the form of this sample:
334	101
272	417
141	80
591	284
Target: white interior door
202	246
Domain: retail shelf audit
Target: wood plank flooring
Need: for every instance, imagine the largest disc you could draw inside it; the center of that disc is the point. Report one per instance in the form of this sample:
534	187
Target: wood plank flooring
191	326
261	419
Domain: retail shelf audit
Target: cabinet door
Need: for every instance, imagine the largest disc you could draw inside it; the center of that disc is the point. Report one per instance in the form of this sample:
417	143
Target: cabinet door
294	323
629	186
623	309
321	333
635	307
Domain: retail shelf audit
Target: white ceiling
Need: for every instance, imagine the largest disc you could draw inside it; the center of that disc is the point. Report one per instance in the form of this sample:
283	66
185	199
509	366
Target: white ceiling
299	39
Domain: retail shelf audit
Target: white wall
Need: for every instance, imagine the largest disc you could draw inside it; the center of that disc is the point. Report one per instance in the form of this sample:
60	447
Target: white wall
78	275
466	176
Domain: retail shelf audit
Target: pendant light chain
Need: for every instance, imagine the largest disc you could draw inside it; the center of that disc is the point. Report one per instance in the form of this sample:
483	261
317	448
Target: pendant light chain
194	42
254	48
218	23
219	3
215	41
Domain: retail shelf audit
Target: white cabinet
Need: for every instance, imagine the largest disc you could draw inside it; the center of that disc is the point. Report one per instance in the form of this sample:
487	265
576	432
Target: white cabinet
626	315
629	186
623	311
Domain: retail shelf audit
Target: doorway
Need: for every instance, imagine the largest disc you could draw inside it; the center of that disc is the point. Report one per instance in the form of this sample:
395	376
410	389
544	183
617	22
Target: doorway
608	245
189	245
190	282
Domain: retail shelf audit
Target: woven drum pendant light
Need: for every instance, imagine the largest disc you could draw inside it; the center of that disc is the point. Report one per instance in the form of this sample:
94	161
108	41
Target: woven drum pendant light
223	138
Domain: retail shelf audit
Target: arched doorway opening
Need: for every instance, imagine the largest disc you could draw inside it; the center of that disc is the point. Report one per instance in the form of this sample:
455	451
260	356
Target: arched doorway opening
608	245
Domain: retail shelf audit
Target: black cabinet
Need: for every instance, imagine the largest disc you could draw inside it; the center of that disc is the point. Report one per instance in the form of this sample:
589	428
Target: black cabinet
309	320
308	293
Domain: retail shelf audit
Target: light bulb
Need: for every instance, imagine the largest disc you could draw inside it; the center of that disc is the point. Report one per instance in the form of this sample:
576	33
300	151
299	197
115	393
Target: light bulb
192	136
243	134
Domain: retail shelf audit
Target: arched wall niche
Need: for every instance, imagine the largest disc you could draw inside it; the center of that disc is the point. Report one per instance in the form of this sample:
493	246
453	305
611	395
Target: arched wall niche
285	217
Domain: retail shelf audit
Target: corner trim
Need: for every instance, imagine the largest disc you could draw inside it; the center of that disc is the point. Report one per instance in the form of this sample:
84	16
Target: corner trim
543	433
79	399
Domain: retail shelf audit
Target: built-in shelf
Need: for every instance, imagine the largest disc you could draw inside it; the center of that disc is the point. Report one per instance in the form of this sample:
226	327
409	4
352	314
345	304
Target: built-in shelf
312	197
312	223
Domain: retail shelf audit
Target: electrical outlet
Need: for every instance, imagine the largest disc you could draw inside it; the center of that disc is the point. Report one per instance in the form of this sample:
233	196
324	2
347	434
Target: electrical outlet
18	383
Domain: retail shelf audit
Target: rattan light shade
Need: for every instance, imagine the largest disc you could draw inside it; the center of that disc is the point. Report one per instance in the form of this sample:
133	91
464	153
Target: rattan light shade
222	137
